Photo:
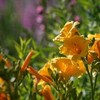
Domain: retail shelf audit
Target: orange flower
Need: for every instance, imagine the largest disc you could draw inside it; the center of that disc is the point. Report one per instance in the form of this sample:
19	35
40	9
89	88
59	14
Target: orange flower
68	68
1	81
44	71
1	57
64	66
7	62
76	46
39	76
27	60
2	84
4	96
90	58
96	48
96	36
67	31
45	77
46	92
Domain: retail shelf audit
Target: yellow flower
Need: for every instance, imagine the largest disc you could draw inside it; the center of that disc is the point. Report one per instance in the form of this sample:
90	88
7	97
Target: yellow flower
90	57
76	46
44	71
94	50
38	76
96	36
67	31
47	93
3	94
2	84
42	77
67	67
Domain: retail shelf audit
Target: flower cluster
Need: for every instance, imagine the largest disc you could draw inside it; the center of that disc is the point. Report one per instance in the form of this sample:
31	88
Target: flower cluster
78	52
81	55
74	47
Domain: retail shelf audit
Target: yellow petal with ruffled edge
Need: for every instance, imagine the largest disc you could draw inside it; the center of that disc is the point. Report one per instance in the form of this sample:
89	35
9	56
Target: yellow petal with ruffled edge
67	31
75	46
68	67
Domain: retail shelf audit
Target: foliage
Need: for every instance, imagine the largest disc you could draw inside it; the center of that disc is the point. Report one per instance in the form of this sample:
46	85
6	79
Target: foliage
21	81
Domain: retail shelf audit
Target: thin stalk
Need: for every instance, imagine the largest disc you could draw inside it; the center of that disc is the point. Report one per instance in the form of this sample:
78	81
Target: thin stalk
95	82
91	82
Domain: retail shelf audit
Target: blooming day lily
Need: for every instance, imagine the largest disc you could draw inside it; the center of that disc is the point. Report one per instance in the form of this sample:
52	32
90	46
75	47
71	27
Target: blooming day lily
69	30
75	46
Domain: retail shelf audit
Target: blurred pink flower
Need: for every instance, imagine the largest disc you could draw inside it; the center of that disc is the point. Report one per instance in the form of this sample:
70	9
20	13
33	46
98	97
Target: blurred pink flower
39	19
39	10
39	32
28	17
72	2
2	4
77	18
27	13
31	17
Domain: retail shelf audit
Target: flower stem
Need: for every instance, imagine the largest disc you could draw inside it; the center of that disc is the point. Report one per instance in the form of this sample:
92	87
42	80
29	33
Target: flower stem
91	81
95	82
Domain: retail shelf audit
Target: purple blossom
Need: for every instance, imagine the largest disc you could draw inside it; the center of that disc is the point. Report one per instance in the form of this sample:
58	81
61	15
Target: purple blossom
31	17
77	18
28	17
2	4
72	2
39	10
39	19
39	32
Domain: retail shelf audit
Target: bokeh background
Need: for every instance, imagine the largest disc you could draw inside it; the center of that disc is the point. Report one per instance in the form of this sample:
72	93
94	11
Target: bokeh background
41	20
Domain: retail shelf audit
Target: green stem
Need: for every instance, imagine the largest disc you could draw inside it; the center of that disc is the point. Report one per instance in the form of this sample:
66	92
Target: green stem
95	83
91	82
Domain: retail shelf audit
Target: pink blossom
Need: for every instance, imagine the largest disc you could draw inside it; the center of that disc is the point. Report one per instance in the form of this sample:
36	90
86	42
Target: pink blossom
73	2
77	18
39	19
39	10
31	17
2	4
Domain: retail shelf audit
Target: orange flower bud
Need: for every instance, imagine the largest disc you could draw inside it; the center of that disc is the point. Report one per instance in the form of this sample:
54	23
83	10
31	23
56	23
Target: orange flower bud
4	96
46	92
90	58
7	62
1	57
38	76
27	60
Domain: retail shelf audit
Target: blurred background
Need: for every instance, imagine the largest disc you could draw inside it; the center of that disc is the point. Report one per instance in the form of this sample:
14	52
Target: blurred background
42	20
